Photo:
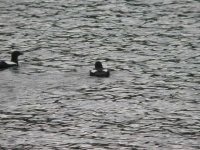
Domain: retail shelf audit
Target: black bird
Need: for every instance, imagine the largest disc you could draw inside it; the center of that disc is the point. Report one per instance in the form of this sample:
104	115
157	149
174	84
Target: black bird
99	71
14	60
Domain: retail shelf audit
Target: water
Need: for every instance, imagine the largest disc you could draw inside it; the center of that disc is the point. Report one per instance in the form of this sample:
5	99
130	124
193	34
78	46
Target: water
150	102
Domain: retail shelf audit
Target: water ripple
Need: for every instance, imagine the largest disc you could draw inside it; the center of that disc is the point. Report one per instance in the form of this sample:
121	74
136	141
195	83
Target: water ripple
151	100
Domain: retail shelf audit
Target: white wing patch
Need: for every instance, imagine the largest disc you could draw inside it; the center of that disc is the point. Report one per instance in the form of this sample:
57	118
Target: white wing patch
10	63
93	71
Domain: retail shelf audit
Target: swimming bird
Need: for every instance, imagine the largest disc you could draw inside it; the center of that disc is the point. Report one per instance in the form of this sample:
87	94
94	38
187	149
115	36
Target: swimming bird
99	71
14	60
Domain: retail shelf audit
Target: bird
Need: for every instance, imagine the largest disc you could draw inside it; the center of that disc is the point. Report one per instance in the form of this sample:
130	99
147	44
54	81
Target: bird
14	60
99	71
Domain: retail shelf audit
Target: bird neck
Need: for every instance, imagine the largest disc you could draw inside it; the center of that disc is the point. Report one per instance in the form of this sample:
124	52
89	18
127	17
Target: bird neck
15	60
99	69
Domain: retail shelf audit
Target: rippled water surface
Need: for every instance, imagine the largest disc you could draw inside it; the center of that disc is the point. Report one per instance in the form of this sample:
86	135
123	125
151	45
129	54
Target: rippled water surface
151	100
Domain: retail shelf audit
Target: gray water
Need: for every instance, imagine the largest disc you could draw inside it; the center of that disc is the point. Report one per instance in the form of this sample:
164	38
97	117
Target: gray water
151	100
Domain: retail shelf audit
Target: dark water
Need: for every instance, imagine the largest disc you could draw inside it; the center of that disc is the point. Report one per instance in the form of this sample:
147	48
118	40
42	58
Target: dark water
150	102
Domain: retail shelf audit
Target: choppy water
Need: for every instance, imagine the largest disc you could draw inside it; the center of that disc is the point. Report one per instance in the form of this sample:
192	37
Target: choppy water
150	102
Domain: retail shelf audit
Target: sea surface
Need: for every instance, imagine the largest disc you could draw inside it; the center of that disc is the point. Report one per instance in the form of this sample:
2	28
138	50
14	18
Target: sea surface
151	101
